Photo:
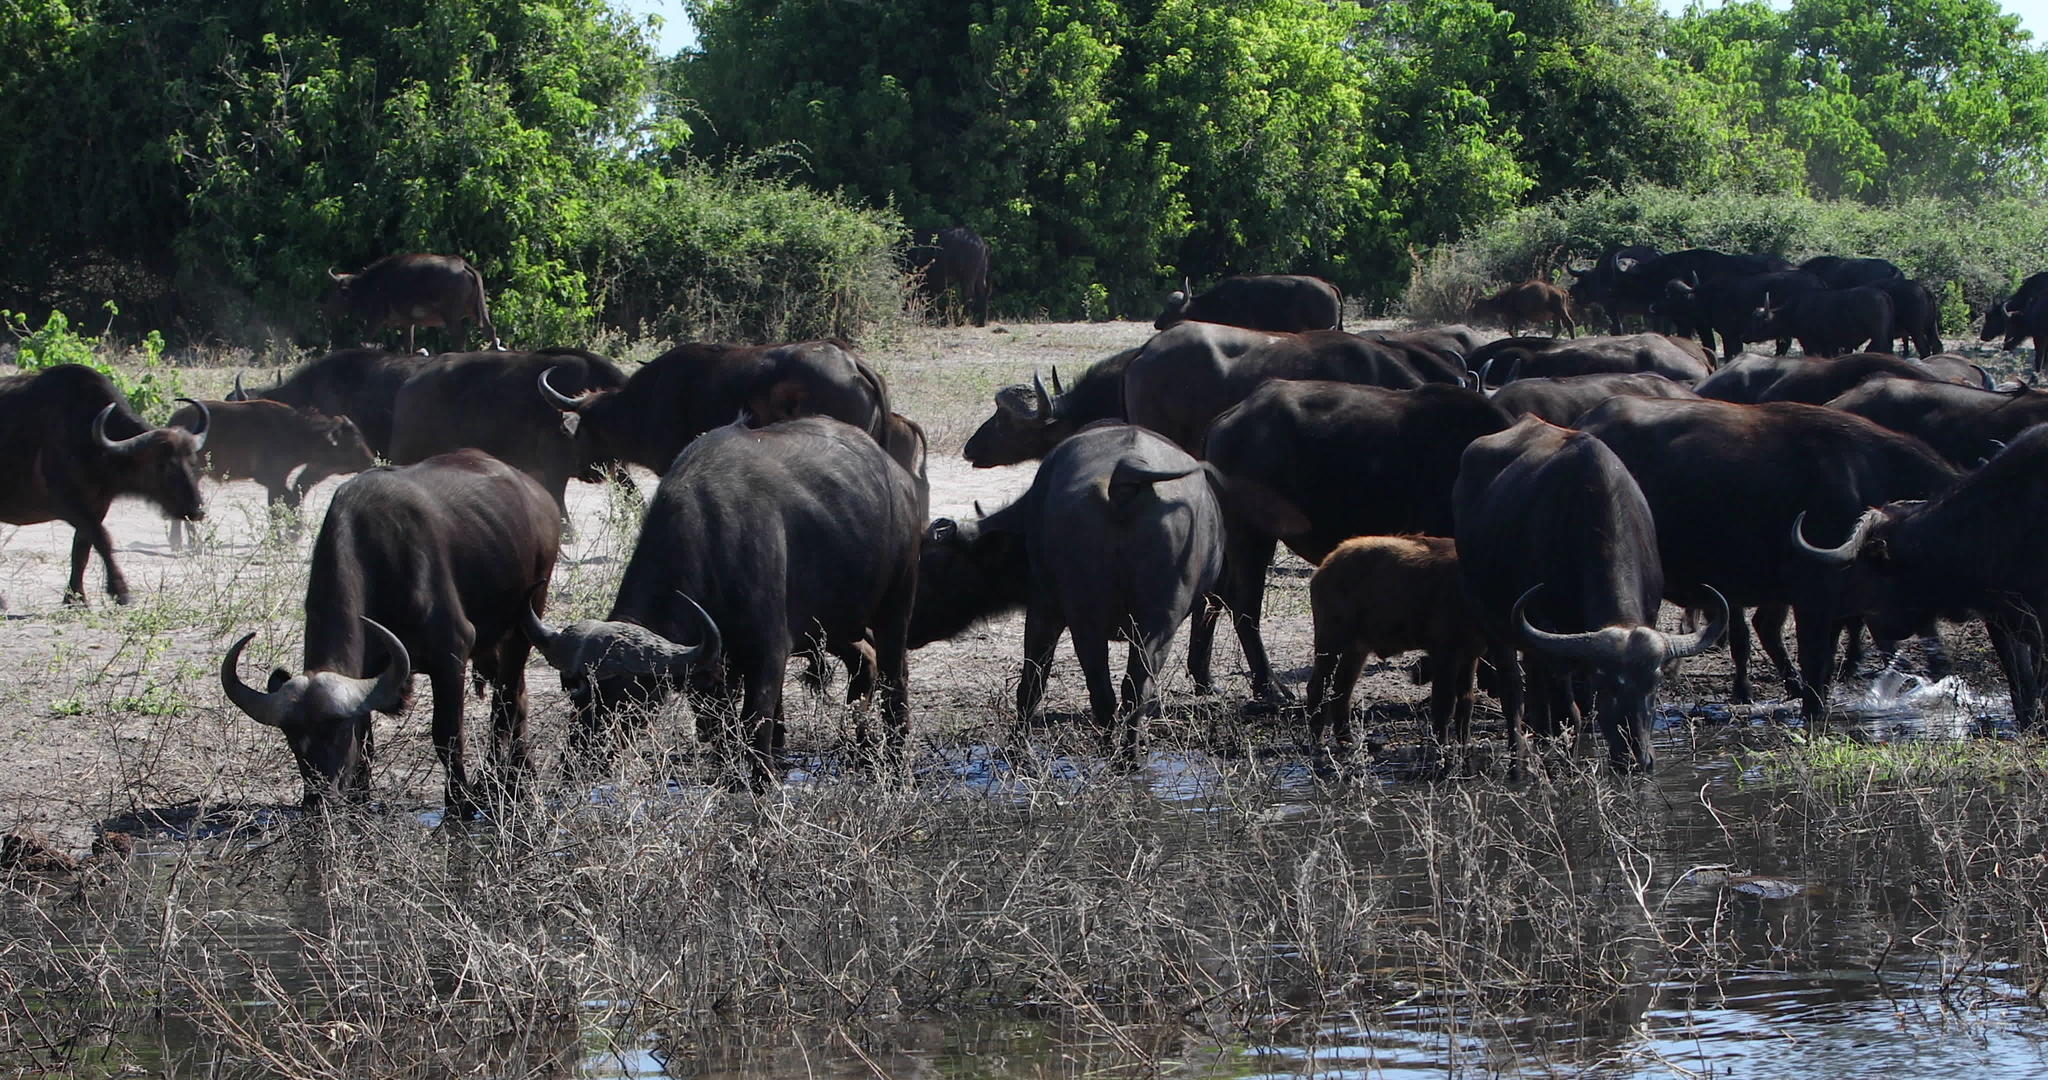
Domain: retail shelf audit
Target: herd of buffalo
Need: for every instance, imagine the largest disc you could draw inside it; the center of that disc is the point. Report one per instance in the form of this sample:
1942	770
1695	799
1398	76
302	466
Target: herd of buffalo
1530	502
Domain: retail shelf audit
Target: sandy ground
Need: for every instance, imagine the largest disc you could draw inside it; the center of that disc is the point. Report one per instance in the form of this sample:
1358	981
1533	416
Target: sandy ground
111	711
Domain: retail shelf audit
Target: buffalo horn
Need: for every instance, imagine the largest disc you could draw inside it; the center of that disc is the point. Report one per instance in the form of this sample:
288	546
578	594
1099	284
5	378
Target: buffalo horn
387	690
544	637
1836	556
556	398
707	648
1044	403
1483	370
259	706
1057	389
1681	646
337	277
112	446
239	394
1580	646
205	421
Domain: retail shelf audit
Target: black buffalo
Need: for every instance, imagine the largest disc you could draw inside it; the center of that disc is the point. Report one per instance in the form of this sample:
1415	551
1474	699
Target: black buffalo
955	260
1535	358
692	388
1974	549
1829	322
1280	302
1725	482
1841	273
1029	422
75	446
266	441
1963	424
1647	282
759	541
1916	315
1351	460
1813	380
1563	401
1726	306
487	401
361	384
1560	557
1599	285
426	569
1119	537
2006	316
1184	376
412	291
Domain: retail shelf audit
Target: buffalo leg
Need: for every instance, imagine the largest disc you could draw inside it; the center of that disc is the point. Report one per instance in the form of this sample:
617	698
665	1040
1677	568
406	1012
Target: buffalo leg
885	653
1202	642
1329	694
1769	621
1141	701
508	709
86	539
1816	640
1091	648
2021	661
759	713
446	680
1244	568
1738	656
1041	638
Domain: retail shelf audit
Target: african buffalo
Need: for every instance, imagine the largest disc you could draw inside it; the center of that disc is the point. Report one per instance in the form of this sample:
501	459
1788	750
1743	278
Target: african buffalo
265	441
1563	401
1119	537
1973	549
1352	460
1828	322
1028	422
1646	282
1596	286
1184	376
802	531
1840	273
361	384
436	561
1560	557
955	259
1956	368
694	387
411	291
1962	424
2006	315
1508	359
487	400
1916	315
1726	306
76	446
1814	380
1285	303
1385	595
1528	303
1725	481
1450	343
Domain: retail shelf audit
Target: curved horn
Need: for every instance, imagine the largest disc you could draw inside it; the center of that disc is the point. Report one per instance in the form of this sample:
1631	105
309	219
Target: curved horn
336	277
1484	369
1844	554
388	690
544	637
239	394
1706	637
1581	646
205	421
558	399
254	703
1044	403
112	446
705	650
1057	389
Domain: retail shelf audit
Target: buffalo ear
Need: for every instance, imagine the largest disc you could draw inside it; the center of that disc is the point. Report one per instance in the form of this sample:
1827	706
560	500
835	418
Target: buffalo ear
278	677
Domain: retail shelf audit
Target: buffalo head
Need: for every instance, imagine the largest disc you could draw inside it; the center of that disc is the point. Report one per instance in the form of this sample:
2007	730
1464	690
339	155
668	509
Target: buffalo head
965	574
608	664
1025	426
159	464
1176	309
325	716
1626	664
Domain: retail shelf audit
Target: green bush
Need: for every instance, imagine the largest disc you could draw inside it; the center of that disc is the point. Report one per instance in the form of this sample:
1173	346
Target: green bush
151	386
1966	252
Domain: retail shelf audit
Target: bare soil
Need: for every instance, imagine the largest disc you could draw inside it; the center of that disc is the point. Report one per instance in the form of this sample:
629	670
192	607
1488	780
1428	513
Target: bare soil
109	711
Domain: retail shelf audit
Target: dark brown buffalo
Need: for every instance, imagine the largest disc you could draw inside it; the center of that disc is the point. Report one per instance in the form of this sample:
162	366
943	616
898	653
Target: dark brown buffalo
2006	315
1560	557
955	260
1916	314
1029	422
1973	549
1726	480
73	446
1508	359
487	401
802	532
1647	282
1450	343
1962	424
1829	322
265	441
1183	377
1352	460
427	569
1119	538
1812	380
361	384
1956	368
411	291
694	387
1286	303
1840	273
1597	287
1564	401
1726	306
1527	304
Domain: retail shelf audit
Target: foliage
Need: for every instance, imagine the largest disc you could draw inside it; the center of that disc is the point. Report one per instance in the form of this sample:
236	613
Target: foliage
151	391
1970	248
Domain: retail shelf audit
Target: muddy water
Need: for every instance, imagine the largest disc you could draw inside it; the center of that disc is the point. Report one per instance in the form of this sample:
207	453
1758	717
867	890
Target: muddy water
1816	969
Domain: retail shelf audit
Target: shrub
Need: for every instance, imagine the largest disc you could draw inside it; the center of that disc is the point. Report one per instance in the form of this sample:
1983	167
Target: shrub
150	391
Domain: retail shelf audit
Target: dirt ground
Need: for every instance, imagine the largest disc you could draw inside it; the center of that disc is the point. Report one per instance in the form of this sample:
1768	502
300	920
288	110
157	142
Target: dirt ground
111	711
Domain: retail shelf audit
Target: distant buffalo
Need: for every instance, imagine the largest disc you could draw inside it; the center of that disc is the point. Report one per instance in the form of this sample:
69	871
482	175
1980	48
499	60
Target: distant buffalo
1287	303
1527	304
956	260
412	291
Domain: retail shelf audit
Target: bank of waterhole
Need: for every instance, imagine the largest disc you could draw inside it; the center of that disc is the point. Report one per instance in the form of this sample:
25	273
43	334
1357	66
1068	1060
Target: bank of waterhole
1773	901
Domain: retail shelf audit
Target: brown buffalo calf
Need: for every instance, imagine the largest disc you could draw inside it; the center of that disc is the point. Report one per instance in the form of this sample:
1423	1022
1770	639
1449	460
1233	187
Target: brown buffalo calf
265	441
1385	595
1528	304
